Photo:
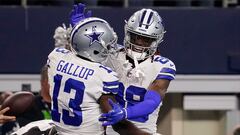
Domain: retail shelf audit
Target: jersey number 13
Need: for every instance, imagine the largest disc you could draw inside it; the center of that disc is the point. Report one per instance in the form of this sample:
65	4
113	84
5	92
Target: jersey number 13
73	117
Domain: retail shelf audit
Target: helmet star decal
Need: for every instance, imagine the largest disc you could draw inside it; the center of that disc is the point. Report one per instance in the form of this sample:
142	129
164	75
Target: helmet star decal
94	37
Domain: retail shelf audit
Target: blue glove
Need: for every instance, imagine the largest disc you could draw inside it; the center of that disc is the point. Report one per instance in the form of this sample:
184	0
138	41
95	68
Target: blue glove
115	115
78	13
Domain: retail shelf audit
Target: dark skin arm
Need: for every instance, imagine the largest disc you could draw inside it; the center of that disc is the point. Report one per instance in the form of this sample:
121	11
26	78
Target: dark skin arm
160	86
123	127
44	84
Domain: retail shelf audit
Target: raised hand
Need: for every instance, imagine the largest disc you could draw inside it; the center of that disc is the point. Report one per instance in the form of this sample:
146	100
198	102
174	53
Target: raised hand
78	13
62	36
115	115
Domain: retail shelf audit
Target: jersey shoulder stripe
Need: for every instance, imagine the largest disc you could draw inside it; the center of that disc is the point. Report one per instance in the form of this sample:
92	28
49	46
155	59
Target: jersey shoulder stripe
111	87
166	66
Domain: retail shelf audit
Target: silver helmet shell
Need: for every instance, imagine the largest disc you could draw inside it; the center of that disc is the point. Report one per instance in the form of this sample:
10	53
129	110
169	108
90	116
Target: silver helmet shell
92	38
145	23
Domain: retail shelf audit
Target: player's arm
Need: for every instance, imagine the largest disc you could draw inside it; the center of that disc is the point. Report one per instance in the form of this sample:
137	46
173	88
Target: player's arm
152	98
151	101
164	77
44	84
157	89
123	127
4	118
110	89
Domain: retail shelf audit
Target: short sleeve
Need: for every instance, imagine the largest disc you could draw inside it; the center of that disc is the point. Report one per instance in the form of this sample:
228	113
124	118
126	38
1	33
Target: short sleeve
110	80
167	71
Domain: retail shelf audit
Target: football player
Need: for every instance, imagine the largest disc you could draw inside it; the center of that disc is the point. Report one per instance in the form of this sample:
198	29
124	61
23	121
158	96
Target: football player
144	74
78	80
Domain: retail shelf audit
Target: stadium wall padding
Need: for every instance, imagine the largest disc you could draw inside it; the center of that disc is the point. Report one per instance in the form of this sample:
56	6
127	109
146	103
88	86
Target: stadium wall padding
199	41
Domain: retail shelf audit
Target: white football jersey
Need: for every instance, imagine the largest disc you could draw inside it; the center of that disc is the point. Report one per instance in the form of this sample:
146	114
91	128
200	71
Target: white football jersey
135	81
75	87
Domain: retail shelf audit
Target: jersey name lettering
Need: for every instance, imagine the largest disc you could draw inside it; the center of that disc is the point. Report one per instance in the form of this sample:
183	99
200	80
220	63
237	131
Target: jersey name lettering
74	70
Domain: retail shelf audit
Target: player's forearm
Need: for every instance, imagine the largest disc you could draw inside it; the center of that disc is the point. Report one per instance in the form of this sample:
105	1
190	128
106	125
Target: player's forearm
160	86
104	105
45	85
151	101
125	127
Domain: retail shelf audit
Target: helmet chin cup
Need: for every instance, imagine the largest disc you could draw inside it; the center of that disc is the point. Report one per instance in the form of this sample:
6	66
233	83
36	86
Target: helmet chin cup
137	55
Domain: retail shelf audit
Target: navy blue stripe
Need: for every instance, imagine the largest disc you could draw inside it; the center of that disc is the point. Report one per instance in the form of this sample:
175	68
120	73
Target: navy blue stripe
112	90
167	77
168	70
149	19
143	15
114	83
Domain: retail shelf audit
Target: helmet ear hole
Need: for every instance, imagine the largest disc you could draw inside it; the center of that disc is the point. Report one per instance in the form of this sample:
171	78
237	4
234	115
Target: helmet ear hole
96	52
108	47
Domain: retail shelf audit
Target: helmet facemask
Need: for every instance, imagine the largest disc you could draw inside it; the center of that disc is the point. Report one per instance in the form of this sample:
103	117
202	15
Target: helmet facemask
140	46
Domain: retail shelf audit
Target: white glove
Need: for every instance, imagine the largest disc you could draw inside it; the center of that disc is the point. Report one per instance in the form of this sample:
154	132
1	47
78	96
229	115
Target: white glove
62	36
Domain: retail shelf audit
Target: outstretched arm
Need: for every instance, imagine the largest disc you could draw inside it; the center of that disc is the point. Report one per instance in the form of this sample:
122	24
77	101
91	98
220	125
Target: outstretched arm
152	99
123	127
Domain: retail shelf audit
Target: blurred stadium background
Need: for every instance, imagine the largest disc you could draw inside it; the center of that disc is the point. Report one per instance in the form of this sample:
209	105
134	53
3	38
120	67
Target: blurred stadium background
203	39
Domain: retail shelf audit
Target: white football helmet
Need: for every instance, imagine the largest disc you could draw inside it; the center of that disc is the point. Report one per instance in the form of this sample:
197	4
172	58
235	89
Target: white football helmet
143	33
92	38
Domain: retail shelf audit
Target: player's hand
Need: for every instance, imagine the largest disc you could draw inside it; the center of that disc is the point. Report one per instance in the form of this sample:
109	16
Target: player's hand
62	36
78	13
4	118
115	115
